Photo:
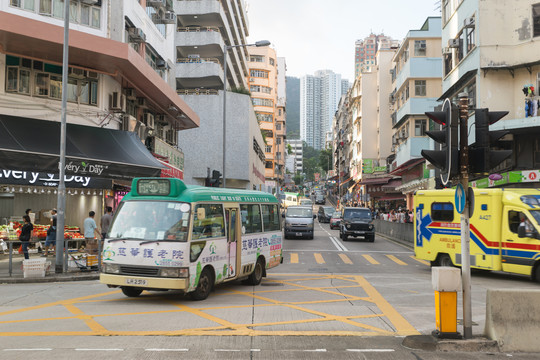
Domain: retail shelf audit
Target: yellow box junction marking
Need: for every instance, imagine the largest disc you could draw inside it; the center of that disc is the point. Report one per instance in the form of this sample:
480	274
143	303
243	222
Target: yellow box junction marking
294	258
371	259
332	289
396	260
345	259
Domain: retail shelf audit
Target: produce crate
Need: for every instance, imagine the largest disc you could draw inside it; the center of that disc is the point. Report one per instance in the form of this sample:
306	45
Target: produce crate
91	260
35	267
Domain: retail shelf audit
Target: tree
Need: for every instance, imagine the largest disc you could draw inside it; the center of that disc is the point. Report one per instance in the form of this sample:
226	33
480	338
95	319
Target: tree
298	178
289	149
325	159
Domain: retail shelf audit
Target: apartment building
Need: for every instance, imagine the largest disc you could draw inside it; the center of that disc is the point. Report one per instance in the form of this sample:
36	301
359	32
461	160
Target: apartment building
263	85
209	33
416	87
365	51
297	153
281	120
491	52
121	101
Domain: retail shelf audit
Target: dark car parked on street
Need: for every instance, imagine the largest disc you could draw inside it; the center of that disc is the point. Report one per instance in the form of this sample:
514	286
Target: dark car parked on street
356	222
325	213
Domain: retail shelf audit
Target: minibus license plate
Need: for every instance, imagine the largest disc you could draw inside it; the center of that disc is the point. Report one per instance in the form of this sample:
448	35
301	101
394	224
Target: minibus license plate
135	282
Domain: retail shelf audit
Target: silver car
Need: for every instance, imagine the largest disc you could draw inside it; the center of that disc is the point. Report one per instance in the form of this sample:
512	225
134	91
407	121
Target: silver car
299	221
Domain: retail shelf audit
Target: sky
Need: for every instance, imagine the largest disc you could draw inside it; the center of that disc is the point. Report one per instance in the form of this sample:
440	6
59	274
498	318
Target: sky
320	34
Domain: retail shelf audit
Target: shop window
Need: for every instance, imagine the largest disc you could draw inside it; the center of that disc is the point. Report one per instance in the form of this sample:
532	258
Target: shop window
442	211
55	87
420	87
536	19
41	84
251	218
270	215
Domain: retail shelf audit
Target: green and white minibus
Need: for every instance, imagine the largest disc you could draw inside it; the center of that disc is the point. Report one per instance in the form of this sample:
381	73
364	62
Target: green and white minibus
167	235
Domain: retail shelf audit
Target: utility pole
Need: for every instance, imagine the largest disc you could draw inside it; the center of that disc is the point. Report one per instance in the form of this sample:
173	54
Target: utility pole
465	224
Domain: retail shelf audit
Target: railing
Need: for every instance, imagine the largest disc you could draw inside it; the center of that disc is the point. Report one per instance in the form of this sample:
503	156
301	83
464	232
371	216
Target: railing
197	29
197	92
197	60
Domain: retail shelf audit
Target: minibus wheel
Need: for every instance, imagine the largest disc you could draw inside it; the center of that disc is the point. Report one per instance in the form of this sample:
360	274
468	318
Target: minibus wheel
536	273
131	291
204	287
256	276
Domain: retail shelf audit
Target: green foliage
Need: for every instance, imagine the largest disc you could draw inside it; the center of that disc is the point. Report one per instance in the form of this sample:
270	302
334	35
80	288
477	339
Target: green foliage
298	178
325	159
241	90
289	149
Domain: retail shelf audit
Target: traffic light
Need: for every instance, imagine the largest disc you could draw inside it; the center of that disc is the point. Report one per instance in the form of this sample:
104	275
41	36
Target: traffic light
215	181
482	157
446	159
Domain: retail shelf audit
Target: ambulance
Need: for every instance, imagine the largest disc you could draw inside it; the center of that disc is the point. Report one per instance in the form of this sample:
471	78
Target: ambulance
504	230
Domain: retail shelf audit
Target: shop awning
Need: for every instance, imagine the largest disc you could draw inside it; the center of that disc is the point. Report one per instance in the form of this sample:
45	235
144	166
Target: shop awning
392	184
409	164
374	181
31	144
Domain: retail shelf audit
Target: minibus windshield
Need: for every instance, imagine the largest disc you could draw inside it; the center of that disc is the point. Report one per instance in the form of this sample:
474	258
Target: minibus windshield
151	220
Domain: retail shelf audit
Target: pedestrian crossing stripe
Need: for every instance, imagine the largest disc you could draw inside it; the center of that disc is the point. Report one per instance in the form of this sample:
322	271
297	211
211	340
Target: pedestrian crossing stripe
319	259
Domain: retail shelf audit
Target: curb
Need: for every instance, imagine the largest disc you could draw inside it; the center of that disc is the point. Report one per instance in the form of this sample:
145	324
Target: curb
431	343
399	241
47	279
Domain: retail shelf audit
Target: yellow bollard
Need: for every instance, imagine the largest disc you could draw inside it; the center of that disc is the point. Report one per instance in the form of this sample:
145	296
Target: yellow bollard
446	282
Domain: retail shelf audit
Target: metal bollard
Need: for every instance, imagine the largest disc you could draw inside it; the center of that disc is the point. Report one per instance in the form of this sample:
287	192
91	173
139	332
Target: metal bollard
10	258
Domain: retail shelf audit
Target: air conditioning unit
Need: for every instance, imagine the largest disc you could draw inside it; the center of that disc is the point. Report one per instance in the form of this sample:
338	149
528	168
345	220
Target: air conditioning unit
141	131
161	63
142	102
446	50
468	22
148	120
453	43
129	123
117	102
91	74
131	94
392	71
161	131
169	18
76	73
137	35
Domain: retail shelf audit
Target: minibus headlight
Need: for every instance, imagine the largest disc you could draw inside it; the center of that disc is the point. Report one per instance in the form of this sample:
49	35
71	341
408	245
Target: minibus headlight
110	268
175	272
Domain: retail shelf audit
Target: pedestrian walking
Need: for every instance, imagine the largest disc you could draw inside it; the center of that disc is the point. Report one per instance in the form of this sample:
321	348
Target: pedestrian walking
50	240
26	234
91	233
106	222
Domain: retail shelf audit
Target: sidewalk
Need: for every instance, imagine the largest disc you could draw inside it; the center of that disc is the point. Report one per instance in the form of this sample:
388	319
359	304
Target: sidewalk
17	275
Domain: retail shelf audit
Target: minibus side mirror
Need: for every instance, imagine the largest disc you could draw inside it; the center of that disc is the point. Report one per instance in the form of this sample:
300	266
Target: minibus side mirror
521	231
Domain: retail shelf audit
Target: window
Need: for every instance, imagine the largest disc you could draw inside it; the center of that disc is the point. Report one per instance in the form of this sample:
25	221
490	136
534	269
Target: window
536	19
256	58
278	140
79	12
271	218
420	87
266	117
272	62
45	7
251	219
279	112
278	126
259	73
262	102
41	84
470	40
420	48
442	212
420	127
259	88
269	165
213	224
268	148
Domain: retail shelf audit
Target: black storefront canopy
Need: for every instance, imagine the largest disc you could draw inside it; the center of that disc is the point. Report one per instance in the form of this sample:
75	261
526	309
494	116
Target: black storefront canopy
31	144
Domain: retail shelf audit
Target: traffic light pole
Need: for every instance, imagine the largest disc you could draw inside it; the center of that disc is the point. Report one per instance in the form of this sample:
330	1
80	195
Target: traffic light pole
465	224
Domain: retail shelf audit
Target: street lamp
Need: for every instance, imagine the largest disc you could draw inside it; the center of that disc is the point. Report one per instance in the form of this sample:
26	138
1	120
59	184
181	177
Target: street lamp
226	48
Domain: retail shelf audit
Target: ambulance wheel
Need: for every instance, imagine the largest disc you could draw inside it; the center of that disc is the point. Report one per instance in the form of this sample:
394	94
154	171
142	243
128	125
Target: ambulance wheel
204	287
537	273
131	291
445	260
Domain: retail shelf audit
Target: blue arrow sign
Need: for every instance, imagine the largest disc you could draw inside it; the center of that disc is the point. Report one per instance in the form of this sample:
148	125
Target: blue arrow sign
460	198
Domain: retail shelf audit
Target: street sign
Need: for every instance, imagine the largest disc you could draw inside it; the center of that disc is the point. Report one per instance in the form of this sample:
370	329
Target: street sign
460	198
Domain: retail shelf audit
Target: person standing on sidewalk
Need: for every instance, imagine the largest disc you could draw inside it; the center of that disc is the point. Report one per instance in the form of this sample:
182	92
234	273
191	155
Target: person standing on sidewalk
26	234
50	241
106	222
91	233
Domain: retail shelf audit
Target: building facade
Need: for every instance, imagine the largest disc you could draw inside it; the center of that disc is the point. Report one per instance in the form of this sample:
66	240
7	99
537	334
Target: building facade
365	51
120	93
204	29
416	87
297	153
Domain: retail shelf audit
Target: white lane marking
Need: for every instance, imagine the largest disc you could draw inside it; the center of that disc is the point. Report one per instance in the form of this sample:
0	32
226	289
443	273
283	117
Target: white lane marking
352	251
99	349
178	350
371	350
36	349
225	350
316	350
340	244
335	244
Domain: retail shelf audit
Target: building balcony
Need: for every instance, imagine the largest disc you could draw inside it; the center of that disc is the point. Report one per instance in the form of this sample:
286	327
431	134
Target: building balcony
411	148
207	42
193	73
413	106
421	68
